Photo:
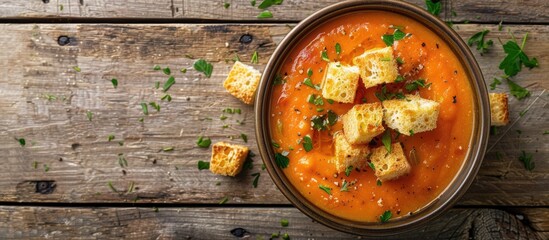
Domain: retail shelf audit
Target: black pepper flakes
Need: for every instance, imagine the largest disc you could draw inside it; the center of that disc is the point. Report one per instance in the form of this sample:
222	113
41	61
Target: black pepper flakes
436	45
423	44
454	100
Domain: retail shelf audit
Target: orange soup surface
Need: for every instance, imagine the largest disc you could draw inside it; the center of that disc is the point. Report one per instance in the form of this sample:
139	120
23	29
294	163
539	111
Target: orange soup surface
435	156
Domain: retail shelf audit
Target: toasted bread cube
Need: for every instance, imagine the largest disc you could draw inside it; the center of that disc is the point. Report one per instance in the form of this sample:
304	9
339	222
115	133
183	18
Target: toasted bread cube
499	109
228	159
340	82
347	154
392	165
377	66
411	115
242	82
363	122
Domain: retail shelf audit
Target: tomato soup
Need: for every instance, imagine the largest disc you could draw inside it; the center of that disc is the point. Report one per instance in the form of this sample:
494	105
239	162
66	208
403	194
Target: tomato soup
435	156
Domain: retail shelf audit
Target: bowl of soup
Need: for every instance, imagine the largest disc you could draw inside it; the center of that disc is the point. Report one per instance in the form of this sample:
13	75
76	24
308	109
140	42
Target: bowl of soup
314	89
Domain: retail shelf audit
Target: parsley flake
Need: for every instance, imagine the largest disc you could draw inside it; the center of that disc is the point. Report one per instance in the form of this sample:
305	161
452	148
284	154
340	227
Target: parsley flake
224	200
307	143
284	222
348	170
110	137
89	115
203	66
155	106
385	216
325	189
517	91
256	179
265	14
338	48
114	82
372	166
386	139
433	6
168	84
478	38
145	108
494	84
515	58
77	68
344	187
255	58
282	160
203	142
167	71
21	141
244	137
527	160
324	55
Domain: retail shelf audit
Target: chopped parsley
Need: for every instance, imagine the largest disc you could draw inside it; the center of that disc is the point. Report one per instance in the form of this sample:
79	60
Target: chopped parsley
415	85
276	145
255	57
500	25
156	67
527	160
244	137
307	143
155	106
412	133
122	160
323	121
167	149
252	3
203	66
167	71
21	141
203	142
284	222
478	38
265	14
344	187
256	179
114	82
278	80
433	6
389	39
494	84
168	84
517	91
224	200
226	5
325	189
316	100
338	48
523	112
110	137
308	82
89	115
282	159
384	95
77	68
145	108
399	78
399	60
183	70
372	166
109	184
385	216
309	72
378	182
348	170
167	97
386	139
203	165
267	3
515	58
157	85
324	55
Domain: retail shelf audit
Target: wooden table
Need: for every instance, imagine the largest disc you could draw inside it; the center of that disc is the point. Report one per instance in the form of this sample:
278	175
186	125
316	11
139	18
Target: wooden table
58	184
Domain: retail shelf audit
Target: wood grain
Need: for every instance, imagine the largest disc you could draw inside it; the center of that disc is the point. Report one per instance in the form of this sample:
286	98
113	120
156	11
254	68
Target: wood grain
290	10
81	161
216	223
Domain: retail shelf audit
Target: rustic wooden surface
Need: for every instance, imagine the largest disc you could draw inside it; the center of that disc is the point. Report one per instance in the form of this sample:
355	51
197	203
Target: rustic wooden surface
217	223
533	11
44	100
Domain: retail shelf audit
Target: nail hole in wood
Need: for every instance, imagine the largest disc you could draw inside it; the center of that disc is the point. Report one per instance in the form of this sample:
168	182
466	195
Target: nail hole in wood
63	40
46	1
45	187
246	38
74	146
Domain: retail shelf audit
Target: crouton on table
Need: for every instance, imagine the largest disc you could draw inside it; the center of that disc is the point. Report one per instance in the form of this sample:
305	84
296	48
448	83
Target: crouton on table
411	115
363	122
228	159
340	82
389	166
242	82
377	66
499	109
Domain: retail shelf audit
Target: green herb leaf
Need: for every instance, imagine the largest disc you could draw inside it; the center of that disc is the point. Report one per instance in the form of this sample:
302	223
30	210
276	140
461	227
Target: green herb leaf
348	170
122	160
77	68
155	106
21	141
386	139
412	133
344	187
415	85
388	39
156	67
168	84
282	160
399	61
385	216
278	80
183	70
378	182
330	101
325	189
398	35
285	236
226	5
203	66
478	38
109	184
324	55
265	14
114	82
500	25
399	78
332	118
494	84
284	222
256	179
307	143
276	145
310	72
433	6
167	97
110	137
308	82
527	160
145	108
338	48
244	137
167	149
89	115
515	58
252	3
203	142
167	71
255	58
203	165
156	85
372	166
517	91
265	4
224	200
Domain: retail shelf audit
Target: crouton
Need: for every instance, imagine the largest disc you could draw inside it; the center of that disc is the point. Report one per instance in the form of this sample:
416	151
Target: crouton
377	66
411	115
242	82
228	159
499	109
340	82
347	154
363	122
389	166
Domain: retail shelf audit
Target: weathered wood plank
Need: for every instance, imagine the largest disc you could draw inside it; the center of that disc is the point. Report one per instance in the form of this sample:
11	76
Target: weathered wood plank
290	10
216	223
81	161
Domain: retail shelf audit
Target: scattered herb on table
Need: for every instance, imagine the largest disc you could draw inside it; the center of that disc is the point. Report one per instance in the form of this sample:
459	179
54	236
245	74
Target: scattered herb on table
122	160
21	141
203	142
156	85
226	5
515	58
527	160
203	66
167	97
77	68
155	106
114	82
156	67
285	236
523	112
255	58
385	216
252	3
167	71
256	179
203	165
325	189
265	14
109	184
168	84
517	91
282	159
224	200
244	137
46	168
89	115
267	3
494	84
284	222
167	149
131	187
145	108
500	25
478	38
433	6
110	137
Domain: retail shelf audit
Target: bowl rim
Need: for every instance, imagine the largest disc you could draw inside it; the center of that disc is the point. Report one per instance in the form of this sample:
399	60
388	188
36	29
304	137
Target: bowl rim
477	145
